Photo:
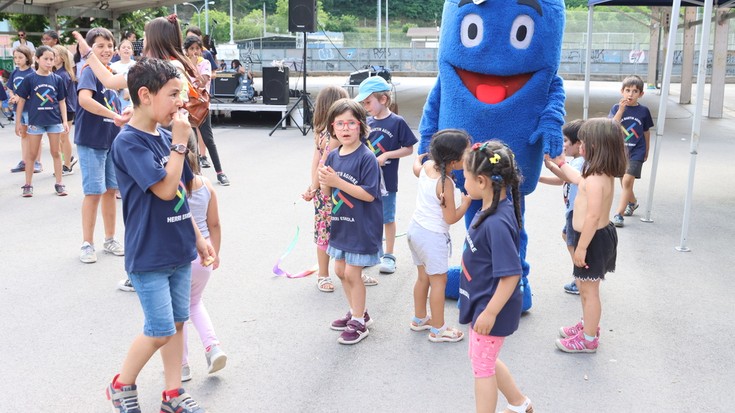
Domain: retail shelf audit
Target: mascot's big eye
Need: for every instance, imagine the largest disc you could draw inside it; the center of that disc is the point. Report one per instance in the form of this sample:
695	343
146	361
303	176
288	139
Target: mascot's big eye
471	30
522	32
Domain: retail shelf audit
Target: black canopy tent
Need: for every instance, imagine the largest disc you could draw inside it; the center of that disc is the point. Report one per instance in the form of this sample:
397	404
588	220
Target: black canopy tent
661	120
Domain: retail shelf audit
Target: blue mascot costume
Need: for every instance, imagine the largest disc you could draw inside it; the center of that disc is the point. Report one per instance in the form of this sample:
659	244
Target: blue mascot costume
498	62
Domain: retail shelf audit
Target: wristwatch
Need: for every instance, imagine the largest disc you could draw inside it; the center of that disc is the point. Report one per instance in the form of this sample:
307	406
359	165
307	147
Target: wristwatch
180	148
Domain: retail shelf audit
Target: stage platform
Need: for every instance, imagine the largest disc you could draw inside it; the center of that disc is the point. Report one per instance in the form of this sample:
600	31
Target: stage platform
225	106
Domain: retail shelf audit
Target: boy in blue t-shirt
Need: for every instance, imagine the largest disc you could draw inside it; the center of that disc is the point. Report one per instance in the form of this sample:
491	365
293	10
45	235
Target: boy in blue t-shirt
97	110
390	139
569	179
636	121
162	238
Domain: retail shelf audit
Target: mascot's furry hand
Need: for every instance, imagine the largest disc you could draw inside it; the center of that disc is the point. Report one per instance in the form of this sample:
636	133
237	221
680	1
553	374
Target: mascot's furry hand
551	121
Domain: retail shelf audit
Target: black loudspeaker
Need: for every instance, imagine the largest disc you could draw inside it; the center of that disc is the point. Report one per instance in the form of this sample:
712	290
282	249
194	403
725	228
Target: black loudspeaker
302	16
275	86
357	77
224	85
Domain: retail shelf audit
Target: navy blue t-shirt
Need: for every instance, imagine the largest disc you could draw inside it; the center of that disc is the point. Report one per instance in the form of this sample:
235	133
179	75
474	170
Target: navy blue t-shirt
357	226
158	234
388	135
71	90
636	120
490	253
42	95
91	130
16	78
208	55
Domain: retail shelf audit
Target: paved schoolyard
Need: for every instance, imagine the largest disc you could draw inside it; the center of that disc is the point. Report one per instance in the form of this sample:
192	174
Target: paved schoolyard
666	326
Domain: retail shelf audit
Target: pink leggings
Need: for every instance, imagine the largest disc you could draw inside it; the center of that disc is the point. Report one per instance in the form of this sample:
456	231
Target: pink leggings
197	311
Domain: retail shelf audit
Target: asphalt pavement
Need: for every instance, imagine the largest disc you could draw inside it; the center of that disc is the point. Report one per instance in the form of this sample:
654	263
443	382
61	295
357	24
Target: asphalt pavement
666	341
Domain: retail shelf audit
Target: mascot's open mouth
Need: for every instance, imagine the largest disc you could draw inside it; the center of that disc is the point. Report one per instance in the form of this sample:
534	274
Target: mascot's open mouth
492	89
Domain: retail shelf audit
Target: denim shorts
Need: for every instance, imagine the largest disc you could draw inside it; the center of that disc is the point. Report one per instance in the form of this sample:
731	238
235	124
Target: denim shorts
40	130
164	295
24	118
389	208
98	171
568	229
354	259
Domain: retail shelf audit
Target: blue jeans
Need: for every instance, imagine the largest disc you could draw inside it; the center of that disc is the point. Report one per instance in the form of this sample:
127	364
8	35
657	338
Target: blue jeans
164	295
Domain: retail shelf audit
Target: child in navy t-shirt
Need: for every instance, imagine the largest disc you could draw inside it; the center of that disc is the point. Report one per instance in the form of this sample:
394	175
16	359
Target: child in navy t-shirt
162	238
43	95
390	139
491	270
351	177
22	58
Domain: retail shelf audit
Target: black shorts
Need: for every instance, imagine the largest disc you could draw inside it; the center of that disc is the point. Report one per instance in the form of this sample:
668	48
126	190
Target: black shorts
70	117
635	168
601	254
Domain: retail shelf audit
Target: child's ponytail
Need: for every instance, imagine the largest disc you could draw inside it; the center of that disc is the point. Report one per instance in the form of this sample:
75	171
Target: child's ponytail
447	146
495	161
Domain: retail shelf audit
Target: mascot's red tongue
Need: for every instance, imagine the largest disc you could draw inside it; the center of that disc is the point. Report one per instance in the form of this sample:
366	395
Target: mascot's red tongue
490	94
491	89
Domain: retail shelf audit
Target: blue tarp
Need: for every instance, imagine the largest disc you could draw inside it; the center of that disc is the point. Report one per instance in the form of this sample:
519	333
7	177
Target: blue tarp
660	3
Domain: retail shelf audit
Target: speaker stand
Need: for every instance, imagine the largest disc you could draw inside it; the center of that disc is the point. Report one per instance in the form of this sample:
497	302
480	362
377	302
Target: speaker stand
306	105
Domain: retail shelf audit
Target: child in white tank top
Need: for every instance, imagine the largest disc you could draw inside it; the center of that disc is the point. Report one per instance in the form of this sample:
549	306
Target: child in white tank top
428	233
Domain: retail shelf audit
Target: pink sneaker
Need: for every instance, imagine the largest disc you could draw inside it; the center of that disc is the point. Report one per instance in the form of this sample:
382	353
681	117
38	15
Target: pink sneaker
566	332
577	344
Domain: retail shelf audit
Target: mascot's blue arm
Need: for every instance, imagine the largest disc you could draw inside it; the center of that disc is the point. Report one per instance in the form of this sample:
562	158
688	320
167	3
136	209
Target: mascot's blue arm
552	119
429	124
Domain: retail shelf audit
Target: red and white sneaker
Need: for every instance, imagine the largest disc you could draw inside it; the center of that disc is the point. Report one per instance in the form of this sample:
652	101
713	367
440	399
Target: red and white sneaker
577	344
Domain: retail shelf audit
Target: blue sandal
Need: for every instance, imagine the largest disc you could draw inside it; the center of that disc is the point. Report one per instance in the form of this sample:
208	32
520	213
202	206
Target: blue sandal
418	324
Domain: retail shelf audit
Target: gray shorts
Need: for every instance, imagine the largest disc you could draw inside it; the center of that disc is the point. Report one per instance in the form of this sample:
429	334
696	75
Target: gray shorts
635	168
430	249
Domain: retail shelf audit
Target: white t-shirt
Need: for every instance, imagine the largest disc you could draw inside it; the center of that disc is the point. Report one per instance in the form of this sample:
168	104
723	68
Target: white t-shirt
28	44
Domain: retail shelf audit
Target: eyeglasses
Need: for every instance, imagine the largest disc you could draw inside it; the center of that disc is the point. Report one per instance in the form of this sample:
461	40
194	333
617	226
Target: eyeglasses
21	35
351	125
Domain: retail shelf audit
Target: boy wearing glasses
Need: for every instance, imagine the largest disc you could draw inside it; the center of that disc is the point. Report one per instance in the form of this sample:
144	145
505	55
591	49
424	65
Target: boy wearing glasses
390	139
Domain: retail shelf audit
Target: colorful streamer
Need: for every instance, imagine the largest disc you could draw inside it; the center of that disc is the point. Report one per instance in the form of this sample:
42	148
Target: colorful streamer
277	270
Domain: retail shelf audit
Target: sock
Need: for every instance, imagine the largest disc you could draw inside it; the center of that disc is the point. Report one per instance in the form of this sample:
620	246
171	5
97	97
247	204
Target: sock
361	319
171	394
588	338
117	385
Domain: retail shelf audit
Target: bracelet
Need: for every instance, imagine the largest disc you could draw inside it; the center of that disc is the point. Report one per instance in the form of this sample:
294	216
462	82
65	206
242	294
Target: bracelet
560	164
86	55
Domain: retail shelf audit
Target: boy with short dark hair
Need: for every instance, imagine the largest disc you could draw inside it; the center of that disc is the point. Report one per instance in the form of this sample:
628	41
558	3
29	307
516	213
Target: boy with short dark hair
390	139
569	177
98	107
161	236
636	121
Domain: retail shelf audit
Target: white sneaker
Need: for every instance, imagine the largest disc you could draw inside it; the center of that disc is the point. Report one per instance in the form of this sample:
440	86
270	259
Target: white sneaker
113	247
185	373
87	255
216	359
126	285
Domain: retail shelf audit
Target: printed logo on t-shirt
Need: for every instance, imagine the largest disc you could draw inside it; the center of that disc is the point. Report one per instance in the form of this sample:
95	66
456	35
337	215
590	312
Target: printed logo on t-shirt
465	272
17	81
375	146
338	200
44	97
181	194
630	132
112	102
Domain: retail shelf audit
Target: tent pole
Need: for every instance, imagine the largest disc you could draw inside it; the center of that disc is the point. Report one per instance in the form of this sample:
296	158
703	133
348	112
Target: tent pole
697	122
587	63
663	101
